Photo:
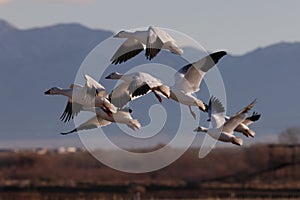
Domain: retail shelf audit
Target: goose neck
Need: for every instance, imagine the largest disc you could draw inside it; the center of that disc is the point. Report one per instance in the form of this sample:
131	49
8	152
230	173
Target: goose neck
65	92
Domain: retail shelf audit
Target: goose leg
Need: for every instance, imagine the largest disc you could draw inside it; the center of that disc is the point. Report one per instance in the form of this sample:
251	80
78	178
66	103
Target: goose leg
192	112
158	97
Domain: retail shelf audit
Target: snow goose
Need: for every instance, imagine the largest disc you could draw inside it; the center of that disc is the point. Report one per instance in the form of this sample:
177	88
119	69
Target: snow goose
135	85
188	80
153	39
242	127
102	119
223	130
92	94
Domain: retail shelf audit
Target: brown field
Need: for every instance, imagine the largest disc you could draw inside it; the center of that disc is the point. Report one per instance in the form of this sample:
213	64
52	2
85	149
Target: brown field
256	172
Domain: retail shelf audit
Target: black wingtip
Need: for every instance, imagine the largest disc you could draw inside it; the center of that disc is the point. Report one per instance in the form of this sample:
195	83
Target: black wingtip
115	62
66	133
254	117
65	117
151	53
140	91
216	56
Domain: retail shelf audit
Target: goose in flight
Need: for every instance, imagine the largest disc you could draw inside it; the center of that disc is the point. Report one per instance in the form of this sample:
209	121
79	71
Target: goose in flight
92	94
188	80
153	39
242	127
122	116
223	130
134	86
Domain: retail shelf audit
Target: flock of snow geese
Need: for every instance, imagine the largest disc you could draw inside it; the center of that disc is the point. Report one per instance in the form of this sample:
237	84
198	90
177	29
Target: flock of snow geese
112	107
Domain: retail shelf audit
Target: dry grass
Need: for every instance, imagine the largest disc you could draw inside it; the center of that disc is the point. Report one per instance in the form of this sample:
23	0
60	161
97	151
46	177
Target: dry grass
83	167
256	167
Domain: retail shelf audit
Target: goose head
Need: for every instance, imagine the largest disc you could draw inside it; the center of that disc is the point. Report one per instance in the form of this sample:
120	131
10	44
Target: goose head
114	75
52	91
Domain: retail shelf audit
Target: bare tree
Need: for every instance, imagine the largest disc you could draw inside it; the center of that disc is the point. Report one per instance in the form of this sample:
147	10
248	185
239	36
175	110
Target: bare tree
290	136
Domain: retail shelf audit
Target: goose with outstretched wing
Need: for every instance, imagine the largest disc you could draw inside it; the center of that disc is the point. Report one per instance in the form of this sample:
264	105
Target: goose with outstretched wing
135	85
92	94
101	119
152	40
242	127
223	129
189	78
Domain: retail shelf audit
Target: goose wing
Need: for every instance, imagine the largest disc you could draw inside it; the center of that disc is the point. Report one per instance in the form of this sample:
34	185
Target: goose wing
94	92
168	42
142	83
71	110
247	108
130	48
238	118
92	123
214	105
120	96
161	34
233	122
217	112
190	76
138	88
93	88
154	43
254	117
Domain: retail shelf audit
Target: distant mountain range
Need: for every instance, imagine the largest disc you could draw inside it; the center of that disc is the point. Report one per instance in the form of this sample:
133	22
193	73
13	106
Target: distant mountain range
34	60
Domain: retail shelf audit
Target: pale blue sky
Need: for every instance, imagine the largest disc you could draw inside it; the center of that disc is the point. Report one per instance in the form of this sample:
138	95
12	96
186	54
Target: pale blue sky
237	26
